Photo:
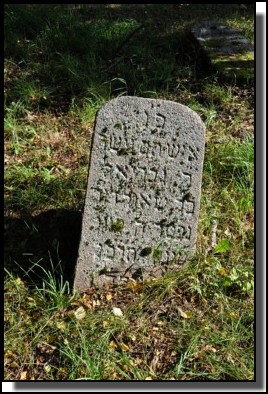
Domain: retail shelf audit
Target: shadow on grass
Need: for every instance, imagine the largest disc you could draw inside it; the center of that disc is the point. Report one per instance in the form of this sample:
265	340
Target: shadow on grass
48	241
68	52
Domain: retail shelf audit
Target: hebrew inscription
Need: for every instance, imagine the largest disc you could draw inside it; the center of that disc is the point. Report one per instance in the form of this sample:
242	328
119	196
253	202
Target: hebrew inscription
143	194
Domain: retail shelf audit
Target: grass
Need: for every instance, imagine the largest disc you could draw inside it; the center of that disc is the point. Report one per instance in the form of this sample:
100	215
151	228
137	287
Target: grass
62	63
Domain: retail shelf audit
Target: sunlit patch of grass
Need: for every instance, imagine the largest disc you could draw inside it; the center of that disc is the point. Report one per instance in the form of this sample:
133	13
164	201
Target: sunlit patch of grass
46	168
155	337
37	189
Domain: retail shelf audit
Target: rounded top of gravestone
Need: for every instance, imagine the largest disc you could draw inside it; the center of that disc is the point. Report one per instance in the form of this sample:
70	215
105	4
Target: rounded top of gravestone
137	106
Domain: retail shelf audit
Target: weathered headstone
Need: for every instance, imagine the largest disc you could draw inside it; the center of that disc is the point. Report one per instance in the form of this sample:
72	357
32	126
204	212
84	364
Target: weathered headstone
230	52
143	194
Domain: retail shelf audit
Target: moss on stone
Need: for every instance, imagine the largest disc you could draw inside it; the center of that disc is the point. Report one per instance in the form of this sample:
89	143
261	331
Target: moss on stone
117	226
118	125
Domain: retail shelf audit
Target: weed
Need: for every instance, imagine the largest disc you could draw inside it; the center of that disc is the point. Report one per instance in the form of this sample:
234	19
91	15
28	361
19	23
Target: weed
117	226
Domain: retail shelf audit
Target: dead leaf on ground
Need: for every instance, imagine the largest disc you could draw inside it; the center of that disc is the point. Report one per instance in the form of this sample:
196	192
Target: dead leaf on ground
80	313
109	297
117	312
185	315
23	375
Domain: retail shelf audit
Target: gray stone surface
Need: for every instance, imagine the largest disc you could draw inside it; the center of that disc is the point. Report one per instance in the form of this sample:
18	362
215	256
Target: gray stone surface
143	195
222	38
230	52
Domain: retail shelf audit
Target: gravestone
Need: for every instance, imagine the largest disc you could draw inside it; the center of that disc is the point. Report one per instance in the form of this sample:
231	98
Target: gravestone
143	194
230	52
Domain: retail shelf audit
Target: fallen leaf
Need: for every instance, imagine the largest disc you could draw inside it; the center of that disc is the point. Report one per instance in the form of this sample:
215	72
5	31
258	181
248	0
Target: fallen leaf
133	337
185	315
113	345
47	368
124	347
87	301
117	311
109	297
61	325
80	313
133	285
105	323
227	232
233	315
14	364
9	353
31	301
209	348
70	314
23	375
222	271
